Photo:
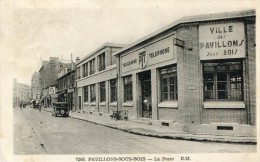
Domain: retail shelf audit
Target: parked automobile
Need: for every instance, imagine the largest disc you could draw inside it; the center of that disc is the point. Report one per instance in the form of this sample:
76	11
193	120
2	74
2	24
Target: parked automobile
35	104
60	108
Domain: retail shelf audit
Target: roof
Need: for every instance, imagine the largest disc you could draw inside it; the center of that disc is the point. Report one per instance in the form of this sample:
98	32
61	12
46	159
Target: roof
100	48
67	74
189	19
66	65
44	63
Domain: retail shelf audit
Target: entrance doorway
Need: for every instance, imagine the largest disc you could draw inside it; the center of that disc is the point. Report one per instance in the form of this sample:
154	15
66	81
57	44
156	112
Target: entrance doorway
146	105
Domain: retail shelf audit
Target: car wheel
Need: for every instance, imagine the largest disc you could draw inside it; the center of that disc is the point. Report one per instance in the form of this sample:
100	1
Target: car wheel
62	112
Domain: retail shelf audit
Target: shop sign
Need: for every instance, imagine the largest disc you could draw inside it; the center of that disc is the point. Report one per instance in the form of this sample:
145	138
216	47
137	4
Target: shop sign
155	53
70	90
52	90
222	41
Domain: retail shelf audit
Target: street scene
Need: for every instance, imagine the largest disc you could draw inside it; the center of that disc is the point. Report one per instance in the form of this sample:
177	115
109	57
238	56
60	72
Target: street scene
118	78
40	133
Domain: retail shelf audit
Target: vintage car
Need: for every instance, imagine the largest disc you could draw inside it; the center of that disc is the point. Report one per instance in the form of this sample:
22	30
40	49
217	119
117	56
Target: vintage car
60	108
35	104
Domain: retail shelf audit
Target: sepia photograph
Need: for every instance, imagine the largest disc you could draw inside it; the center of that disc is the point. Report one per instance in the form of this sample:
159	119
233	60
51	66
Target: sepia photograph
140	80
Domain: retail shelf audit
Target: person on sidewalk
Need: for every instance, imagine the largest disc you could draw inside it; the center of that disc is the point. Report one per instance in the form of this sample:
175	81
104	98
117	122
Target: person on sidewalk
21	106
40	107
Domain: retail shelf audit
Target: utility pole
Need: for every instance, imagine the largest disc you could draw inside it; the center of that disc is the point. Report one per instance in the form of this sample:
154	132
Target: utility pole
71	85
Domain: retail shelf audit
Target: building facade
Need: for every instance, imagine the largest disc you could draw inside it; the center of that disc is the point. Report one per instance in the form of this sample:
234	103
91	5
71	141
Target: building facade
96	80
66	85
21	93
48	75
35	85
195	75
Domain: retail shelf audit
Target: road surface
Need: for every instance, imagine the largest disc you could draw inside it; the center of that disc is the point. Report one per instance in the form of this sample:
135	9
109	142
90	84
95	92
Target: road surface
40	133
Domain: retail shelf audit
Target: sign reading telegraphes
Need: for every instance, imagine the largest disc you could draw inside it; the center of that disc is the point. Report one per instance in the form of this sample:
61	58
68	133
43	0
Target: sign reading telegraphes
152	54
222	41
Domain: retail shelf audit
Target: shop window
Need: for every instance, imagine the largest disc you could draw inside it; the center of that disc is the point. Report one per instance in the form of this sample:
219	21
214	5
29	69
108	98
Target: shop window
128	90
169	86
101	61
102	90
223	80
92	93
113	90
86	94
92	66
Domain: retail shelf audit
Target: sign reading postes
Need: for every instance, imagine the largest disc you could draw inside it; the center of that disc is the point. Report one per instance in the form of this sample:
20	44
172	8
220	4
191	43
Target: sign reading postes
222	41
155	53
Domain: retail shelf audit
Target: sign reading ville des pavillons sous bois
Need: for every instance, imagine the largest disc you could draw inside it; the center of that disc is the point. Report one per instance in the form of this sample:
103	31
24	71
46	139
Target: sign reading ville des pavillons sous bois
222	41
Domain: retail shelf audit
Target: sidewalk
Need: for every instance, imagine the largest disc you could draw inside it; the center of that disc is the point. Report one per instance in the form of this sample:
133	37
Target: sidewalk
155	131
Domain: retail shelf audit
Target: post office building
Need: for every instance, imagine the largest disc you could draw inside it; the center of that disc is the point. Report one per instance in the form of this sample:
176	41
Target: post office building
196	75
96	80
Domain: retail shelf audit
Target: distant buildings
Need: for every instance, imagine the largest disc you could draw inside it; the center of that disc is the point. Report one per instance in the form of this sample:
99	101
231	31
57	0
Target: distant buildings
49	73
35	85
21	93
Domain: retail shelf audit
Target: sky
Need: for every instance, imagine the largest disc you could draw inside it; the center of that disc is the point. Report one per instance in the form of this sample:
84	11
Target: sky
34	30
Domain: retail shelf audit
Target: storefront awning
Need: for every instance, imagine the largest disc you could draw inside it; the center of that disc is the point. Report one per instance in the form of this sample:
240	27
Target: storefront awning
62	92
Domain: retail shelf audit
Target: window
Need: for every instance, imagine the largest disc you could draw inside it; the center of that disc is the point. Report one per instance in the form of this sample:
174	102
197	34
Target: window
85	70
128	94
92	66
113	90
223	80
69	81
113	59
86	94
78	72
102	88
101	62
92	93
169	86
